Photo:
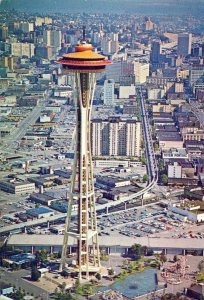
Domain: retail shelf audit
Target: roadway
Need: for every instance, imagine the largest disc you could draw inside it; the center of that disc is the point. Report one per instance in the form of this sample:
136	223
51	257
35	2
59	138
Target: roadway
197	111
99	208
19	132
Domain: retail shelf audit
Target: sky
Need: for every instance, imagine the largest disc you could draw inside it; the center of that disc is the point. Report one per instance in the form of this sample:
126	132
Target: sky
117	6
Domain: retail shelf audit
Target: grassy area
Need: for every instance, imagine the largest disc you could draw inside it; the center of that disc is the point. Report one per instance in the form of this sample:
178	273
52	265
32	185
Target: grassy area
200	277
104	257
84	290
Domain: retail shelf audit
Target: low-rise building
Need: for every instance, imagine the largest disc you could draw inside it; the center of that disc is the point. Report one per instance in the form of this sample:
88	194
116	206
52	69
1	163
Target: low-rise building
62	206
15	187
44	180
111	181
183	181
42	198
195	135
193	210
195	193
40	212
106	163
174	153
168	140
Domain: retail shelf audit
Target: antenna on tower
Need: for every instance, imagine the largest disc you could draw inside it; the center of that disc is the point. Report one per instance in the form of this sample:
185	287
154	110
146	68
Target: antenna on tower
84	33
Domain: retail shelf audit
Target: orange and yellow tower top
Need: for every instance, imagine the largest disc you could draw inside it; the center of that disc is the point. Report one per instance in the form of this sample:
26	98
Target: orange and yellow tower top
84	60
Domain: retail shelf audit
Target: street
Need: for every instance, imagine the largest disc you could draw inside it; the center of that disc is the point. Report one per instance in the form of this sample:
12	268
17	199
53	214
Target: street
16	279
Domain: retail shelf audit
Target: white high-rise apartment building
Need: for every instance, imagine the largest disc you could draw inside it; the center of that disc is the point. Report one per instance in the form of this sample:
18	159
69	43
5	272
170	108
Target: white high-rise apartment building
27	26
196	74
47	37
184	43
116	137
106	45
119	69
22	49
108	96
109	43
52	38
141	71
56	37
39	21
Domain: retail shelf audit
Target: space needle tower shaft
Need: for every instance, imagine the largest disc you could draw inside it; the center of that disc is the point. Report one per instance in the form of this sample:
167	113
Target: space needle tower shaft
84	63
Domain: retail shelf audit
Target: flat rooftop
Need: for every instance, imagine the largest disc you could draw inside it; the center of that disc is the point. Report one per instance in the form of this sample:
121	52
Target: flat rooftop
169	136
108	241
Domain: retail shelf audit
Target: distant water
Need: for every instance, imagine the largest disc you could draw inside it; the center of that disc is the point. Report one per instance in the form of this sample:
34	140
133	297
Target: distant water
149	7
135	284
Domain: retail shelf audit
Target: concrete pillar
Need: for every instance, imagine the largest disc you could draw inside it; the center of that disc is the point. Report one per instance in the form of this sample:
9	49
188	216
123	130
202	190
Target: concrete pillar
125	205
165	251
51	249
48	224
184	251
32	249
25	230
142	200
203	252
107	210
70	249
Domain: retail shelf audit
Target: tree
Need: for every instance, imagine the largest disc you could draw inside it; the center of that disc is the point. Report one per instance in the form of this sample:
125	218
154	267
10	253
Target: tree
98	276
145	178
163	258
156	147
15	267
41	256
161	164
139	250
110	271
35	274
18	295
125	263
201	266
164	178
175	259
77	283
63	286
62	296
143	160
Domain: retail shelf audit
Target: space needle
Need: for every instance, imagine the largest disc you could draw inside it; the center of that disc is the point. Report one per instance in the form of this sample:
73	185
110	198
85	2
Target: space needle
84	63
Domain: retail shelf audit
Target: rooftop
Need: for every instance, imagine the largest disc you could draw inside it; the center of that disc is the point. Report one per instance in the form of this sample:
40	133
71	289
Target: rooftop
38	211
125	241
169	136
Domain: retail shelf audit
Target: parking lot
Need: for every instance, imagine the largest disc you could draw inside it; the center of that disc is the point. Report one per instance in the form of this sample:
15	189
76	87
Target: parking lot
149	221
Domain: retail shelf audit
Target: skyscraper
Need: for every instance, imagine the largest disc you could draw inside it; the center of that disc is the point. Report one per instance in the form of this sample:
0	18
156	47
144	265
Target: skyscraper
148	25
156	52
184	44
116	136
3	32
141	72
84	63
52	38
26	26
108	97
